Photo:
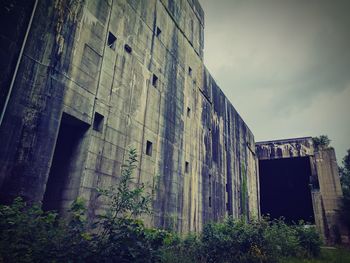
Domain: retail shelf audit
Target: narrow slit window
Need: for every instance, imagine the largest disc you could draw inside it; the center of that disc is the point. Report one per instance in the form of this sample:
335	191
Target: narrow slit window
188	112
190	71
209	201
98	122
149	148
158	31
187	167
155	81
111	41
127	48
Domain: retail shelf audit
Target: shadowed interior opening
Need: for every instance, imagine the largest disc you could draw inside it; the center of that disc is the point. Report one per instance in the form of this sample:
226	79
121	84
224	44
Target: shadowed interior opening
285	190
64	178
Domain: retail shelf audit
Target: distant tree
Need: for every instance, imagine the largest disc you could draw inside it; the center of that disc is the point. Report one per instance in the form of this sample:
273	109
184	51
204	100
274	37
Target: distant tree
345	182
345	172
321	142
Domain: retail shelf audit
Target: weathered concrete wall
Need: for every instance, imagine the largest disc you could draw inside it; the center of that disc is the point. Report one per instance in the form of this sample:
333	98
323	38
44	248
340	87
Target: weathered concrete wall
287	148
14	18
30	126
325	185
331	192
149	86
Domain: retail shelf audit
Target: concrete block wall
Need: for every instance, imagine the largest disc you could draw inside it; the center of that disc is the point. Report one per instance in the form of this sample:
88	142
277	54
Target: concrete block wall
137	67
285	148
331	193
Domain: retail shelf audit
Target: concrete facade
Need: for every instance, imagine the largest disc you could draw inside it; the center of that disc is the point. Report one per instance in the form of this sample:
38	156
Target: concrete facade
325	188
110	74
99	76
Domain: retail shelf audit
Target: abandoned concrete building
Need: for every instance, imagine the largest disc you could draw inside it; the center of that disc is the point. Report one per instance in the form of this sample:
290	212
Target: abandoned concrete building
85	80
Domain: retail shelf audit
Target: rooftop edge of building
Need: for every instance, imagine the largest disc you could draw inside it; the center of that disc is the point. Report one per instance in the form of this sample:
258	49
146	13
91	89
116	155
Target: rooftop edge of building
284	140
198	10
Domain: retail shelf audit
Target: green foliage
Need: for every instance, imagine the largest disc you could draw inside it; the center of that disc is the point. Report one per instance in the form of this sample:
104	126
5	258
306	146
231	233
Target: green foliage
121	237
30	235
127	199
309	240
345	182
328	255
129	241
240	241
321	142
345	173
282	239
182	250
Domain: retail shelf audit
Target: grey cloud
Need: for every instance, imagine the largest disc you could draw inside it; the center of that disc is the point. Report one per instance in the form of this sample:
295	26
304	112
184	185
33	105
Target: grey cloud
275	59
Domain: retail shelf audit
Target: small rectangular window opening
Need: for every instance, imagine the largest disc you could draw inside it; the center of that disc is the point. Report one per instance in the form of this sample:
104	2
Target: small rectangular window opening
149	146
190	71
227	207
111	41
98	122
154	80
188	112
127	48
209	201
158	31
187	167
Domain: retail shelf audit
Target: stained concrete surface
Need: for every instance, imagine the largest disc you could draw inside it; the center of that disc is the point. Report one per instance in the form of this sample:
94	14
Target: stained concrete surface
131	73
138	66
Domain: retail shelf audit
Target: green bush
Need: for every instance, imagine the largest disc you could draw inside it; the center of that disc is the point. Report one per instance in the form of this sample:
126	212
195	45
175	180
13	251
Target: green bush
28	234
128	241
235	241
257	241
281	239
309	240
178	249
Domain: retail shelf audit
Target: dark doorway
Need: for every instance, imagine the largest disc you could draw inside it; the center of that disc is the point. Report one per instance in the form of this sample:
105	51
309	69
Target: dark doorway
285	190
64	178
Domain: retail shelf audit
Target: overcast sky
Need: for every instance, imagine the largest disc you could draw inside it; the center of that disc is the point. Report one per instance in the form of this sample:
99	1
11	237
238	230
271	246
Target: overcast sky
284	65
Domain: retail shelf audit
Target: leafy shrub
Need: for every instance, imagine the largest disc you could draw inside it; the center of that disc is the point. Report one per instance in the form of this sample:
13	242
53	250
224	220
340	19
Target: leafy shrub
129	241
235	241
28	234
257	241
309	240
182	249
281	239
321	142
